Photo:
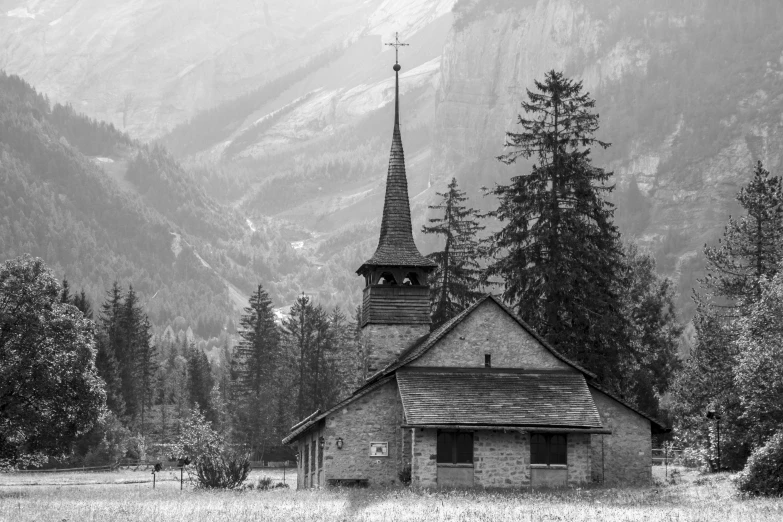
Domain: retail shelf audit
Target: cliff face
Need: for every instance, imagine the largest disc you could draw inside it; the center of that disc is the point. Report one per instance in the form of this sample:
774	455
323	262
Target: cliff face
689	95
156	62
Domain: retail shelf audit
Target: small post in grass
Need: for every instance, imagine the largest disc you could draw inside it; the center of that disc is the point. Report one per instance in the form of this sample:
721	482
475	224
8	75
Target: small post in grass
181	473
153	479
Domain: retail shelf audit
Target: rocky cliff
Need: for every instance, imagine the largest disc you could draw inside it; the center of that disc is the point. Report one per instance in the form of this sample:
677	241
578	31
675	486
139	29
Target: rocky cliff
689	94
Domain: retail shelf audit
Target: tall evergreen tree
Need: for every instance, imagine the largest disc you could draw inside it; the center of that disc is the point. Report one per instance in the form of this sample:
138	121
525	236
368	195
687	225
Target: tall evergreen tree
108	370
455	283
558	252
751	247
255	361
301	331
146	365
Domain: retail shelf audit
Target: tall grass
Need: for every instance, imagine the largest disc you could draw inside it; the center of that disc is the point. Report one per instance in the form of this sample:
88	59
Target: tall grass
707	498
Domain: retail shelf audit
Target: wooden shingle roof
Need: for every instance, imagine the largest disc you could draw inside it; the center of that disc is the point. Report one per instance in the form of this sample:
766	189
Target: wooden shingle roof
395	245
546	399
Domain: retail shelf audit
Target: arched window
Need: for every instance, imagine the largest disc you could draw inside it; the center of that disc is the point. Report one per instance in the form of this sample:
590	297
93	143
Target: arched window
411	279
387	279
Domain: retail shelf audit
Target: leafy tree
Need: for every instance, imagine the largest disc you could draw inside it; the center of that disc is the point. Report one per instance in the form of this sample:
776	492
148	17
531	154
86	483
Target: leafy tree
758	374
650	356
50	391
751	245
734	324
558	252
455	283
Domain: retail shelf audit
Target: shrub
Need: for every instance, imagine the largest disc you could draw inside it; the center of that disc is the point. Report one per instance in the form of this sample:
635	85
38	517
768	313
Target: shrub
222	469
763	474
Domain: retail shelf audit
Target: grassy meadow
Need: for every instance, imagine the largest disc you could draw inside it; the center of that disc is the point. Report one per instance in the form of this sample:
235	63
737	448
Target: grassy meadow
124	496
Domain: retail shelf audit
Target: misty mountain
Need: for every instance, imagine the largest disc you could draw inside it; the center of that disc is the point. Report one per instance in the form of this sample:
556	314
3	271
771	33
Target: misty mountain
98	206
295	135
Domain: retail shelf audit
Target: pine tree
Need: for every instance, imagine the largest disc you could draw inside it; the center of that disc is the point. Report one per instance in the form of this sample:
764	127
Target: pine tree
83	304
751	247
558	253
200	380
455	283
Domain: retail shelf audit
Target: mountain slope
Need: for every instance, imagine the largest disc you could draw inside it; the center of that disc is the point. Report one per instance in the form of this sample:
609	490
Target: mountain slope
155	229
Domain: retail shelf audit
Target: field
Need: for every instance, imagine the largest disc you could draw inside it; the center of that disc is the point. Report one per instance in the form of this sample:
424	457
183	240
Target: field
127	496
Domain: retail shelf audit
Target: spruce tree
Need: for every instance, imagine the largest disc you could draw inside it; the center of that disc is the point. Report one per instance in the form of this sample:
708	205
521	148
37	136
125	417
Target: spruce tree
558	253
254	365
455	283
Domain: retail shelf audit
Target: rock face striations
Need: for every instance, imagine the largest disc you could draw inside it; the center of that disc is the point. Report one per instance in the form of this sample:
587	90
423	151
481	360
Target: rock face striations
688	96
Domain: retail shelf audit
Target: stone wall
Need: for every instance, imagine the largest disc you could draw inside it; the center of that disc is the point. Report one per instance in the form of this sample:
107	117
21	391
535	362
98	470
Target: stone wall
501	459
424	470
578	458
490	330
375	417
382	343
623	458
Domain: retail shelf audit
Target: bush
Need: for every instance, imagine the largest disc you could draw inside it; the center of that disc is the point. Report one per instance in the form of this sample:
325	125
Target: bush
222	469
763	474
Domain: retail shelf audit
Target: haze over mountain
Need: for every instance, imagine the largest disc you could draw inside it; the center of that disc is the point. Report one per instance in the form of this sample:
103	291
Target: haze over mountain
286	118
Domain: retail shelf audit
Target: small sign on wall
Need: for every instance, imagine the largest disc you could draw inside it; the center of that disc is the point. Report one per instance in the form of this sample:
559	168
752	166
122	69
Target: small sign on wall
379	449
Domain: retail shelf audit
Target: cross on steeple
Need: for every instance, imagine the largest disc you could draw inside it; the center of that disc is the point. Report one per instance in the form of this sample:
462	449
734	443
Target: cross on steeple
397	44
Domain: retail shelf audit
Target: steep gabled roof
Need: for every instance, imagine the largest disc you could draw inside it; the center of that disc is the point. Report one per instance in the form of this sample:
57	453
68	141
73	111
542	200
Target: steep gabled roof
422	346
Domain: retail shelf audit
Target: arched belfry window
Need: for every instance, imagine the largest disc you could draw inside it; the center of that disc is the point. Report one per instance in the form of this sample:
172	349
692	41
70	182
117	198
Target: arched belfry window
411	279
387	278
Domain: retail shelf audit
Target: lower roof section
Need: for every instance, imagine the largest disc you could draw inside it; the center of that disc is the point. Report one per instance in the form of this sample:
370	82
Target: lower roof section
547	400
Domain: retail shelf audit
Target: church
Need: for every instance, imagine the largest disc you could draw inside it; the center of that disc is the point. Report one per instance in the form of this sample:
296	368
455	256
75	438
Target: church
481	401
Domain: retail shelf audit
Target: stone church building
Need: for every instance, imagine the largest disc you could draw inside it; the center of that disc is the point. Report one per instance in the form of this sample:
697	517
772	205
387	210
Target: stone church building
480	401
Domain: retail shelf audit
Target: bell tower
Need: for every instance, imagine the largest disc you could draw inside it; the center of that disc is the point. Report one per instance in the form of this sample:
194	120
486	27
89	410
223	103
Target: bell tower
396	300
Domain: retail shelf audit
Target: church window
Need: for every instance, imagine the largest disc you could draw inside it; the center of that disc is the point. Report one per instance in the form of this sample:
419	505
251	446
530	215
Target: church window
487	360
548	449
387	279
411	279
455	447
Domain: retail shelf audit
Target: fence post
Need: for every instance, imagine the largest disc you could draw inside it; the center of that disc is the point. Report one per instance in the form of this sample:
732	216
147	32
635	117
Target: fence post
181	472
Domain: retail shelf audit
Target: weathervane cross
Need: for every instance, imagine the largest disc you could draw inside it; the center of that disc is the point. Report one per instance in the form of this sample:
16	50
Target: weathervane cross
397	44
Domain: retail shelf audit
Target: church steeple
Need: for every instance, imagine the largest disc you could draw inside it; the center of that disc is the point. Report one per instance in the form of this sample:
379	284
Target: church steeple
396	301
395	245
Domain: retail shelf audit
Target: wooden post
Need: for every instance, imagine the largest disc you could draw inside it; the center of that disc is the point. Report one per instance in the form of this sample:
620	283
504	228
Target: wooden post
181	472
153	480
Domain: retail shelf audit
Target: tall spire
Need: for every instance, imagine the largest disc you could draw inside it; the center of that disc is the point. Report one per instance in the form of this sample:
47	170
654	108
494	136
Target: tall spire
395	245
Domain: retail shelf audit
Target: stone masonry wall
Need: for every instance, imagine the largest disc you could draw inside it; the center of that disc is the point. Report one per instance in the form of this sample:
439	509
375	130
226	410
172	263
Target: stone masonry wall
375	417
578	458
490	330
382	343
501	459
424	470
623	458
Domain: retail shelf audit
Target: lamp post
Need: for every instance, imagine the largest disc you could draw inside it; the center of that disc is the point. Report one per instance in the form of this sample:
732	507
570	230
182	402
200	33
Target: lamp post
712	414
